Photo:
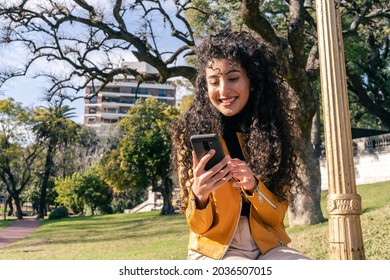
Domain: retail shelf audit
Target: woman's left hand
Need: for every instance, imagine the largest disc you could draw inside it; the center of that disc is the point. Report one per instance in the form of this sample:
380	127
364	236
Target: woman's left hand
242	172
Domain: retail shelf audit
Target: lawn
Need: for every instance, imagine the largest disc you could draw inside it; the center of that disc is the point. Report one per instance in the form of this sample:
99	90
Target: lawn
150	236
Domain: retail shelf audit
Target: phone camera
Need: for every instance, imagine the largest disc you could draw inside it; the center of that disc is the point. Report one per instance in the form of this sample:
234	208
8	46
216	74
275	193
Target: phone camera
206	145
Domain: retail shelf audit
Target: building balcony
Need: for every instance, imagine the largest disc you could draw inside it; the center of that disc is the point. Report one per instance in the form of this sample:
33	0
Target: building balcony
106	115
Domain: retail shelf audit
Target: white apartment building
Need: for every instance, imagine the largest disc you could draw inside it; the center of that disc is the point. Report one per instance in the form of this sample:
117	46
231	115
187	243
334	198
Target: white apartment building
116	98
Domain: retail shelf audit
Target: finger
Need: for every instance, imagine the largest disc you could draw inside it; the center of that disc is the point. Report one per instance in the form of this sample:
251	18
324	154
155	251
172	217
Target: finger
203	161
194	160
217	181
243	173
223	173
236	161
240	170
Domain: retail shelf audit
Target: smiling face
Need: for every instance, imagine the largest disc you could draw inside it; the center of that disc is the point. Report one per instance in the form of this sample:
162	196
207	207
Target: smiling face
228	86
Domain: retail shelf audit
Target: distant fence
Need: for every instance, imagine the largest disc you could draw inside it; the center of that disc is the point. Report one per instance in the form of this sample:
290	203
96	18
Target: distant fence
371	160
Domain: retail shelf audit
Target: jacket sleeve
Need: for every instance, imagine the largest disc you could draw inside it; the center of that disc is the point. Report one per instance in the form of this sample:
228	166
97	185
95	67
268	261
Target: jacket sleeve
199	220
266	204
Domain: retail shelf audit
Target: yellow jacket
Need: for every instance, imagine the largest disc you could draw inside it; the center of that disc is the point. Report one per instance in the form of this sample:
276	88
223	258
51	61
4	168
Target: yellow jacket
212	228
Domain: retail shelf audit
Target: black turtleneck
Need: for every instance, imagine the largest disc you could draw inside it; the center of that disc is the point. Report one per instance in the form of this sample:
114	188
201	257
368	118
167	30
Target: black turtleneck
231	125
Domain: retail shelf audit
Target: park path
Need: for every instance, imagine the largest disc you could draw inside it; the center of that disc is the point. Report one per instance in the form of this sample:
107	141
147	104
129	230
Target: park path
17	231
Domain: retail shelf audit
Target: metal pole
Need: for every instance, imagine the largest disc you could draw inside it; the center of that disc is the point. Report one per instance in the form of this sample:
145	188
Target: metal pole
344	204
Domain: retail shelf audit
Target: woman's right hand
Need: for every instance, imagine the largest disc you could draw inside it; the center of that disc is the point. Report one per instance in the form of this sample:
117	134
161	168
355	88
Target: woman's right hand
206	182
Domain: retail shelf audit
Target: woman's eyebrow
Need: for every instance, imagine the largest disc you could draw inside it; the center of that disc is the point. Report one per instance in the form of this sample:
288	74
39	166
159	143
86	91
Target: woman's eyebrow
233	70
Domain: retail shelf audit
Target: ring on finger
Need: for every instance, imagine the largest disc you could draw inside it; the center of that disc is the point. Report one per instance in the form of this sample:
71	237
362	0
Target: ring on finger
214	180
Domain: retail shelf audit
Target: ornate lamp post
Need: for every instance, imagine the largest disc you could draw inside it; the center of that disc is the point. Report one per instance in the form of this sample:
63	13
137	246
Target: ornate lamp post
344	204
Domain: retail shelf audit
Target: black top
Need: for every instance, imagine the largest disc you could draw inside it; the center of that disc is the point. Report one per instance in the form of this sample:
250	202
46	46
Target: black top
229	134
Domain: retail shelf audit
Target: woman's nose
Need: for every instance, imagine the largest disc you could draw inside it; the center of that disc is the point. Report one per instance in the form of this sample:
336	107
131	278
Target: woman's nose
223	87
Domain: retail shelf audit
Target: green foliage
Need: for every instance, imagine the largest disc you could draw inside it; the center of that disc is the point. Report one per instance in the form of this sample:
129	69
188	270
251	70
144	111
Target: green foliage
18	152
143	155
53	128
59	213
95	193
368	64
68	192
113	172
146	146
360	117
82	192
53	123
185	103
207	16
142	158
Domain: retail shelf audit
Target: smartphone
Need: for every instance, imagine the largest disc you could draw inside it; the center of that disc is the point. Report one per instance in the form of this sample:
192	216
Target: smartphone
203	143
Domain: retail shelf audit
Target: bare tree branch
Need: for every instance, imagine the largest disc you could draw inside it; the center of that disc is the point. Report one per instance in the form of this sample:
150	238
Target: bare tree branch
257	22
296	29
46	31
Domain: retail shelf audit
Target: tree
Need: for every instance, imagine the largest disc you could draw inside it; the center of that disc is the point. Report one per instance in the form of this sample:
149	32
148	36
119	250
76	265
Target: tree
53	128
84	190
367	41
96	194
93	39
68	192
142	158
85	150
17	151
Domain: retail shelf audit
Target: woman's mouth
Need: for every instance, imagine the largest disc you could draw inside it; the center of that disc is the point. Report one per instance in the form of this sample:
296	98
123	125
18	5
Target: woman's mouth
228	101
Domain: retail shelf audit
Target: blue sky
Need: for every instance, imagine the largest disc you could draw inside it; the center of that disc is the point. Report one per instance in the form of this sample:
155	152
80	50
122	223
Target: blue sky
29	92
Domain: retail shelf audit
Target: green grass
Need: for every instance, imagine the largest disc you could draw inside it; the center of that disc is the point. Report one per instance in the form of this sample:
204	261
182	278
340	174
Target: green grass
5	223
121	236
375	222
149	236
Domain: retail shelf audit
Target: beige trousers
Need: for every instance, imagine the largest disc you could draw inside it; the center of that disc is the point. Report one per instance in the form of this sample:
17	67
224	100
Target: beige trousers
243	247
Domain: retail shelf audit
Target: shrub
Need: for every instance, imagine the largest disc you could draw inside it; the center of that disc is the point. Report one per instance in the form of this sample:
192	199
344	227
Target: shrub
59	212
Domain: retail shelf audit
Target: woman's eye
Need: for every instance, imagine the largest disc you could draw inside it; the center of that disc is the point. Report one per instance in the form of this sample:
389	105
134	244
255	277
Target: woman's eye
233	79
213	82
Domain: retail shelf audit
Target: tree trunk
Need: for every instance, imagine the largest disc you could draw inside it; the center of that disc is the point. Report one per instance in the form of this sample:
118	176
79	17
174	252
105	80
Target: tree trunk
11	207
19	211
166	192
305	207
42	211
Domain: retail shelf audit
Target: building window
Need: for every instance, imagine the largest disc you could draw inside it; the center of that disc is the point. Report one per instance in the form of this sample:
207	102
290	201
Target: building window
123	110
93	99
91	120
139	91
109	120
112	89
92	110
107	99
110	110
162	92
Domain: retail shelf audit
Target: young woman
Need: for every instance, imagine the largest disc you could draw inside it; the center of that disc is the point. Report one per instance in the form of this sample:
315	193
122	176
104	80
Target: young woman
238	95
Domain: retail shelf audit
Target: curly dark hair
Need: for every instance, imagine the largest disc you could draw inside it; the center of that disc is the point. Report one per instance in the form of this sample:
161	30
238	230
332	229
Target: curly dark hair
264	120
